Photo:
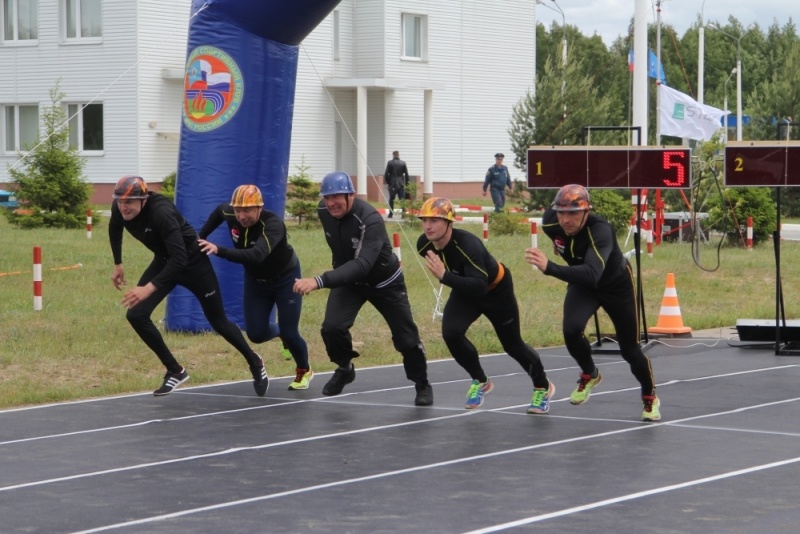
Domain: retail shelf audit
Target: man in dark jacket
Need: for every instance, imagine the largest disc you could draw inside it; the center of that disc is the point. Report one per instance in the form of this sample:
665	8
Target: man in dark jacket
177	260
396	178
597	275
364	270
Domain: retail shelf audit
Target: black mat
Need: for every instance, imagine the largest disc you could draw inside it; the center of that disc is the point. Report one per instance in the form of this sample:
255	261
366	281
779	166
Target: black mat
219	459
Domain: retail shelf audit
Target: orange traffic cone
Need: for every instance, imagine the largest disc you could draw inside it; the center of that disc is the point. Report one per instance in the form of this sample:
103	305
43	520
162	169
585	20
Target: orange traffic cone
669	319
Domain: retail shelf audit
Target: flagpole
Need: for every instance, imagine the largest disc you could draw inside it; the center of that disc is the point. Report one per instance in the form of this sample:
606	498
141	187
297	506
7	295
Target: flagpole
640	54
658	72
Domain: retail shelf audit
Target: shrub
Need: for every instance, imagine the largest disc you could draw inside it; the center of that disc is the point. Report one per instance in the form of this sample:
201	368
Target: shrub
505	223
611	205
728	213
168	185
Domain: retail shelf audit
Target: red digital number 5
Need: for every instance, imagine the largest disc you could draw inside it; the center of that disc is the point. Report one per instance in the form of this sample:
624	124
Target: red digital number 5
679	166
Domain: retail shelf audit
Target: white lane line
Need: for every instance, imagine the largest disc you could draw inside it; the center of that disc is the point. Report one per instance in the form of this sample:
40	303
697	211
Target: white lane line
388	473
632	496
338	400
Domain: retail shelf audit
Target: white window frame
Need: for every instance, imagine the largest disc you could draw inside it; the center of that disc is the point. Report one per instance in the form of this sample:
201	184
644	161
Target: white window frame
336	34
10	15
72	11
417	25
11	122
75	118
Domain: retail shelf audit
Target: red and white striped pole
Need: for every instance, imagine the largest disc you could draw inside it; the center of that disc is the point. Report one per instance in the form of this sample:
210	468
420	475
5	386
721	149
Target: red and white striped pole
485	227
396	244
88	224
750	233
37	278
647	226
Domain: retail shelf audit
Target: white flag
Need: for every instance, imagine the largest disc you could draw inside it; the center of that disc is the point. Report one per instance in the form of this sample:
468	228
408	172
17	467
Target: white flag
682	116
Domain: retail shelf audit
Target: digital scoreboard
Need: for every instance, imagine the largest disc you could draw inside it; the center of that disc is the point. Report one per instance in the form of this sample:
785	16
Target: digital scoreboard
762	163
610	167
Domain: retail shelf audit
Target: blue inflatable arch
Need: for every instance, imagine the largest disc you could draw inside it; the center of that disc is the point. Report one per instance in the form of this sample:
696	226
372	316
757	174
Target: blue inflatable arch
239	90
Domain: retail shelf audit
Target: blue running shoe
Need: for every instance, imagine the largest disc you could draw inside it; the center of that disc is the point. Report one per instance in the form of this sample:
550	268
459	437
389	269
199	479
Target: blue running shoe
477	391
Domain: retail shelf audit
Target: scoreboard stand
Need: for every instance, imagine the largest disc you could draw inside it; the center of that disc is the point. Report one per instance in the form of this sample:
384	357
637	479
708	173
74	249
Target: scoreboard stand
768	164
612	167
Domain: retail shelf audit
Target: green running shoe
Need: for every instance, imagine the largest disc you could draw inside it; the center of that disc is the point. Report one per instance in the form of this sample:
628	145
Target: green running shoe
302	379
651	411
585	386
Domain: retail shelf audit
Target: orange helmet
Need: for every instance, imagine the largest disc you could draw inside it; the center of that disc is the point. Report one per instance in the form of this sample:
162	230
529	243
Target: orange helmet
130	187
572	197
437	207
246	196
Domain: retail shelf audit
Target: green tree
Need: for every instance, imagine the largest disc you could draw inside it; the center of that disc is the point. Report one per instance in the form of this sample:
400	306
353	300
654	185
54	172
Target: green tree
777	99
566	100
304	196
51	186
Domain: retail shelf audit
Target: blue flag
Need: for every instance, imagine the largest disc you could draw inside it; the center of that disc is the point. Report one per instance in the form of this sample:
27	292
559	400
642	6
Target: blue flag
652	60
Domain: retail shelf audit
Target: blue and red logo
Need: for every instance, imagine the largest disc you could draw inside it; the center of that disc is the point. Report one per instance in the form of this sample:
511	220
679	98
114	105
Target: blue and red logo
213	89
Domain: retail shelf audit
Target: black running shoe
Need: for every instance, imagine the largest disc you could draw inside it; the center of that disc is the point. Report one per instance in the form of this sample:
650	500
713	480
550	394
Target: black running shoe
171	381
424	395
260	379
341	377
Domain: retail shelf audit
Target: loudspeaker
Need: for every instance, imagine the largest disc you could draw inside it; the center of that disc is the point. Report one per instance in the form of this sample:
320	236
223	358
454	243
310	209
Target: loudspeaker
764	330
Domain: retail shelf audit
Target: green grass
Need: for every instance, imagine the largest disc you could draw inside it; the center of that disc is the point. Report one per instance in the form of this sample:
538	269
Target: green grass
80	344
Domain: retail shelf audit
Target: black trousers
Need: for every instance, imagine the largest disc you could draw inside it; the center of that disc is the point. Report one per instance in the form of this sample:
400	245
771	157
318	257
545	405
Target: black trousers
201	280
392	303
399	192
500	307
619	303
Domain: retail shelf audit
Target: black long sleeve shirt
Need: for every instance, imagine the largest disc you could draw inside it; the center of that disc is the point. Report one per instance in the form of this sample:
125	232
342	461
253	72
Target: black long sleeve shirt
593	256
469	268
163	230
360	248
263	249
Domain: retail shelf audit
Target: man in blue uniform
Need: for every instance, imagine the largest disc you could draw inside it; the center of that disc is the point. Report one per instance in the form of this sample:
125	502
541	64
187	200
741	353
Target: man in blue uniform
497	180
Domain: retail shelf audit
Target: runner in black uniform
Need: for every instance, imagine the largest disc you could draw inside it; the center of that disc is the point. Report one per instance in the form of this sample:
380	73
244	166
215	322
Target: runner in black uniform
364	270
271	266
597	275
480	285
155	221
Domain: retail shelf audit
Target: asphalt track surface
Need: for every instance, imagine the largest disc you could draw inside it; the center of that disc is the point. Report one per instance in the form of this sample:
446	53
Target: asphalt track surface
725	458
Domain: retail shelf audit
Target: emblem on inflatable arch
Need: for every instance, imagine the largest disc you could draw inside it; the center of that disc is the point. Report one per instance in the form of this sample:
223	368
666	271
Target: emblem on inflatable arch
213	89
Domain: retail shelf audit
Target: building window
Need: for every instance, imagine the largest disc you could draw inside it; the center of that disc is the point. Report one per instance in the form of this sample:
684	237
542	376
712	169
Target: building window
20	20
85	127
21	128
83	19
415	39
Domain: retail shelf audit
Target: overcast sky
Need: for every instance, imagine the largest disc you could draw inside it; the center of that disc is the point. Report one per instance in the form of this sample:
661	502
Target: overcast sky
610	18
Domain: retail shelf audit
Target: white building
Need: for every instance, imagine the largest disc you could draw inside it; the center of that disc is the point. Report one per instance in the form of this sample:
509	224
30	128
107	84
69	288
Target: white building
472	58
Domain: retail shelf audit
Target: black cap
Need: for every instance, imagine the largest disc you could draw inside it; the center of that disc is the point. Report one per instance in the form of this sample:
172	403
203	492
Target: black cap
499	155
